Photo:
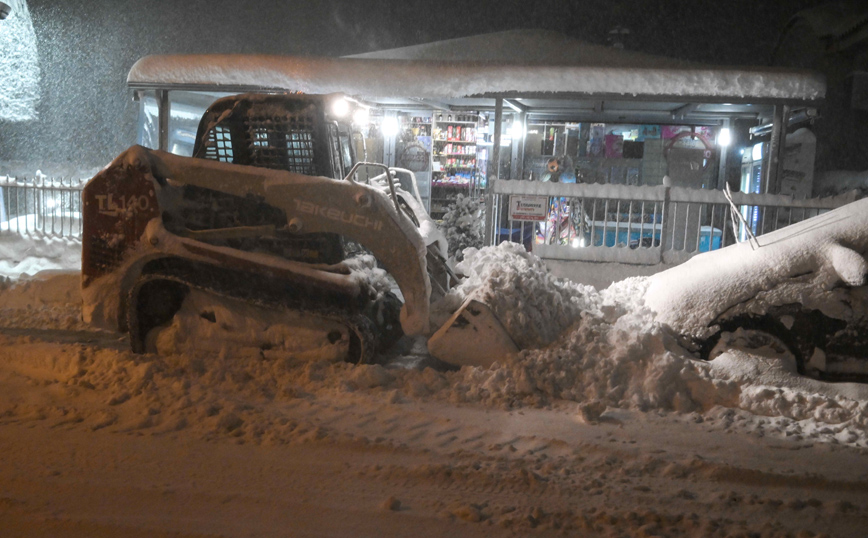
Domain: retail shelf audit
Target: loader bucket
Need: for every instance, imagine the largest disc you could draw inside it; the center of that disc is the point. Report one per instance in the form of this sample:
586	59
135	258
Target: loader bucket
473	336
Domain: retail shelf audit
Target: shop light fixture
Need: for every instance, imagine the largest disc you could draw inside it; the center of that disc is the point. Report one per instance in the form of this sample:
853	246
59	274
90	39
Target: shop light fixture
757	152
516	131
390	126
724	138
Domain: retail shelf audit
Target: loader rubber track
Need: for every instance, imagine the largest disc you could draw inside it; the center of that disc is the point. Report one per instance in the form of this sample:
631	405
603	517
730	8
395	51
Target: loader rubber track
369	332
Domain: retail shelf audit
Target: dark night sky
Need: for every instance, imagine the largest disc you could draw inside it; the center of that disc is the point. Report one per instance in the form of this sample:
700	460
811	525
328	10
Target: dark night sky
86	47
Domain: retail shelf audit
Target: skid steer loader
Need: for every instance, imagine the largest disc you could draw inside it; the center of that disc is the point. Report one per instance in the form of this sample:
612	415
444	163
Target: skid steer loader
263	219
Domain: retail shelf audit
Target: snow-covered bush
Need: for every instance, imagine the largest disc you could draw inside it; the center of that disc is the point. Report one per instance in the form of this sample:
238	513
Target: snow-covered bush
463	225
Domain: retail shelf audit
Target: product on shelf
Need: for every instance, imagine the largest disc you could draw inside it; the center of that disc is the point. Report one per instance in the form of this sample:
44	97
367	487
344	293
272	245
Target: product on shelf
454	147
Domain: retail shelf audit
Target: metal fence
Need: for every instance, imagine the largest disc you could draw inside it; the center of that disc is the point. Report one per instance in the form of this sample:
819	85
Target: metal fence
638	225
41	206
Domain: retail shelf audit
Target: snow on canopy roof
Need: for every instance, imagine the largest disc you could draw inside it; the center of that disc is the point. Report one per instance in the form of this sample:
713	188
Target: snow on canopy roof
527	47
433	74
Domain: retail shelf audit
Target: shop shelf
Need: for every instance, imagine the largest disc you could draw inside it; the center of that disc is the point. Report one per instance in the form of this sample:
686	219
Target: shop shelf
444	184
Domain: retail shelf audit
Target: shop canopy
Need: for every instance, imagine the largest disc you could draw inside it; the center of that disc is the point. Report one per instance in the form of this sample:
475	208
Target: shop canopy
542	73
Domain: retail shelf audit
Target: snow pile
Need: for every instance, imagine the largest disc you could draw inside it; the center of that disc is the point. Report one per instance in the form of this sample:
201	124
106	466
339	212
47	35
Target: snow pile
597	351
50	301
534	306
796	407
22	256
617	354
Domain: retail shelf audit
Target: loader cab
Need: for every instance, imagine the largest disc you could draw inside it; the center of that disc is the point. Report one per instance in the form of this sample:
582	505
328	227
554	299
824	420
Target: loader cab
245	129
293	132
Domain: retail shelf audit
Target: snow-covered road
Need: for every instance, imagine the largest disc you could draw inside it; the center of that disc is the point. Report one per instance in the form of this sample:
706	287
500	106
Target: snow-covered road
601	434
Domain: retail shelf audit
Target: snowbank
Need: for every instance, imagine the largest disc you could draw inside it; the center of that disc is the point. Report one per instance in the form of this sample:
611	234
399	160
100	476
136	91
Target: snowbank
600	351
22	256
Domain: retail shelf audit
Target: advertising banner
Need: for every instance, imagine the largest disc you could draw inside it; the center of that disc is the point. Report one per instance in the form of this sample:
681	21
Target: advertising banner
523	207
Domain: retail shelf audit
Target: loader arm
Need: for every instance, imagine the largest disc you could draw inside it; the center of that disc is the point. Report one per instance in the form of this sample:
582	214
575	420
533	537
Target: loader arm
314	204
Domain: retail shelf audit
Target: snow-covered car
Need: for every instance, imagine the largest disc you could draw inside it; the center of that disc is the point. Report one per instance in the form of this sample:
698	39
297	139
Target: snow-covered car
802	288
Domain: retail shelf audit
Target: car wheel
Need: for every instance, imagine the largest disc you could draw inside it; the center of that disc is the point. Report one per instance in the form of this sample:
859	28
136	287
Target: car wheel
755	333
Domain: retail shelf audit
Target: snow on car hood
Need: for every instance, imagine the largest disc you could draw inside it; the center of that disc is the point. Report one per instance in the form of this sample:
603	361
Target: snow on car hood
800	263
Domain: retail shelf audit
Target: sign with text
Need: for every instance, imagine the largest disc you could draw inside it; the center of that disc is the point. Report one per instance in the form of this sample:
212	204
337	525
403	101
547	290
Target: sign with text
523	207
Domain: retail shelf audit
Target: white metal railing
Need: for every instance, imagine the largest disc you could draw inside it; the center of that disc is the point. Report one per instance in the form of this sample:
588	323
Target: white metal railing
41	206
639	225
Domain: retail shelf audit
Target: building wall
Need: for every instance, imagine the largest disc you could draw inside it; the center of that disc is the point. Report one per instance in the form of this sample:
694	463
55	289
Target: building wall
812	41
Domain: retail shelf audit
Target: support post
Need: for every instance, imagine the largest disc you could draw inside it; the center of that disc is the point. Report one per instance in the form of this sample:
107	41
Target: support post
518	147
724	152
390	142
667	224
776	150
493	174
163	112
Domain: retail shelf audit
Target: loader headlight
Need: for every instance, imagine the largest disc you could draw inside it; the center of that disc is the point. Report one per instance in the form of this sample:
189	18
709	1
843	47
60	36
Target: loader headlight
724	137
340	107
361	116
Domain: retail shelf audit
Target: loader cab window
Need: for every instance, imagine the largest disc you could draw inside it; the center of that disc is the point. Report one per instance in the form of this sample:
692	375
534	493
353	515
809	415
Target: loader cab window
259	138
148	128
185	109
299	151
220	146
335	150
290	151
341	150
346	152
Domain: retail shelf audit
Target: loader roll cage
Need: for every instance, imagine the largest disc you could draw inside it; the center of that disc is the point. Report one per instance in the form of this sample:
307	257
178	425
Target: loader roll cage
275	131
388	173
